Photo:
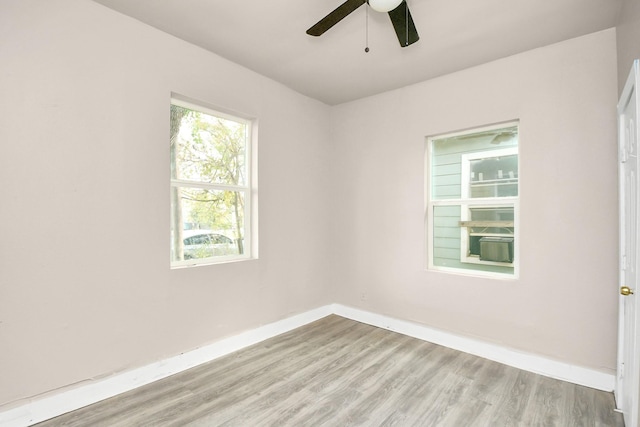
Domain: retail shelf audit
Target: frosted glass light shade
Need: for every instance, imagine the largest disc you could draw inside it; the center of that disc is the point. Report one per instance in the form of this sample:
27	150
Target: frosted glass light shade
384	5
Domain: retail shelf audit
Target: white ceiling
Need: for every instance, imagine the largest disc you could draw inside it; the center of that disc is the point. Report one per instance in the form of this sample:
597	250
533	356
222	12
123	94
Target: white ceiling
268	36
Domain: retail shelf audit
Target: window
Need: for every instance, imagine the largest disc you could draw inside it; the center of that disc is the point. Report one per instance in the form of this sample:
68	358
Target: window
472	201
210	185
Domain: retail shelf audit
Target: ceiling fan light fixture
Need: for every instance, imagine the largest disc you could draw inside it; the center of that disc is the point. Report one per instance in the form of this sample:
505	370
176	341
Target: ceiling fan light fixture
502	137
384	5
397	10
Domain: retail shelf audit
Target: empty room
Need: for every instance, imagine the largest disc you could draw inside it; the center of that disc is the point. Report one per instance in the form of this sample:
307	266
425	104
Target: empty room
319	212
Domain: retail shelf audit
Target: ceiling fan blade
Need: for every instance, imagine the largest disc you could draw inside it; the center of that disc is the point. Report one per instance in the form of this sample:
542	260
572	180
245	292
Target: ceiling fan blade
334	17
403	24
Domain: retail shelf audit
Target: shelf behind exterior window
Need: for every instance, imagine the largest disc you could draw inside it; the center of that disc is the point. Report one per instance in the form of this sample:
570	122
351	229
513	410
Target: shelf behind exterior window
493	224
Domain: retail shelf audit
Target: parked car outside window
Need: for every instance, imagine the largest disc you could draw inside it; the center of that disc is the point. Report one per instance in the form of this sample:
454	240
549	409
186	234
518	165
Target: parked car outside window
207	243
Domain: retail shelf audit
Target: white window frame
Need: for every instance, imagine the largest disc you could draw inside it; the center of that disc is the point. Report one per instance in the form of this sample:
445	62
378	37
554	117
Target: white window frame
246	189
466	203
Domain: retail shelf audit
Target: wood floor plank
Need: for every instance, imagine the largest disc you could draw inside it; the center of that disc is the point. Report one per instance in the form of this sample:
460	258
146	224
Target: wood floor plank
515	399
311	379
350	389
338	377
544	407
388	385
338	372
318	364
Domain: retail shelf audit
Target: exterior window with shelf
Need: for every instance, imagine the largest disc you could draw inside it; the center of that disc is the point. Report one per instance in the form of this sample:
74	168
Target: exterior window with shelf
472	201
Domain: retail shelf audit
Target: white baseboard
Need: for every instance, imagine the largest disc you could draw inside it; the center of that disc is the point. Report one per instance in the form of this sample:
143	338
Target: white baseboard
43	408
521	360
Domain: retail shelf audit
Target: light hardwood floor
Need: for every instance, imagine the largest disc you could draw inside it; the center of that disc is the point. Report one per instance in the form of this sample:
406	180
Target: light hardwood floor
338	372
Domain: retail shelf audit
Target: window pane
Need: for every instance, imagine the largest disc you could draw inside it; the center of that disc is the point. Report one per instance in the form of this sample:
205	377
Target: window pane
499	220
494	177
488	227
207	148
486	178
207	223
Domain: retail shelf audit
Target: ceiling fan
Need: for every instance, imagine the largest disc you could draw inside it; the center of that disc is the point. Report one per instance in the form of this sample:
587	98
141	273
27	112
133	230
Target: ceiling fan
397	9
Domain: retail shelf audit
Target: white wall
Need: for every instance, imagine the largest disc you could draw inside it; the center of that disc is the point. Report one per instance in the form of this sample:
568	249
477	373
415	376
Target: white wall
563	306
86	288
628	39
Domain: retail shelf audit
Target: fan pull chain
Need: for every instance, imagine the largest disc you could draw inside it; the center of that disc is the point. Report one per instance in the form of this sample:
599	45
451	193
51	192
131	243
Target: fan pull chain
366	48
406	16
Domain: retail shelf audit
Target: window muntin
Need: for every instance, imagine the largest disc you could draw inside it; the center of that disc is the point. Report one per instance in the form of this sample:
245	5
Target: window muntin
472	200
210	185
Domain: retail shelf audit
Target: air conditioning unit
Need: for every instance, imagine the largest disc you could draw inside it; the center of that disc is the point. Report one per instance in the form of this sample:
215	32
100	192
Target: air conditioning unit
496	249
